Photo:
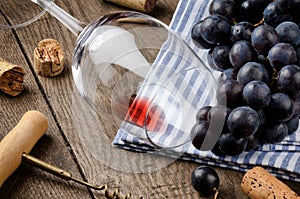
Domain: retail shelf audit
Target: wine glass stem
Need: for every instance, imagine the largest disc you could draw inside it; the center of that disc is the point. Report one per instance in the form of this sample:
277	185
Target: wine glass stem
74	25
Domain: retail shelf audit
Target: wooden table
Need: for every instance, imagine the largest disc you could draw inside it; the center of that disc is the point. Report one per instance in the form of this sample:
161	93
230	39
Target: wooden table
52	96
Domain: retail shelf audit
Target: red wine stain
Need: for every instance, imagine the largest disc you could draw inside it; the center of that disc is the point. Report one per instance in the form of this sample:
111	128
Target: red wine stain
137	114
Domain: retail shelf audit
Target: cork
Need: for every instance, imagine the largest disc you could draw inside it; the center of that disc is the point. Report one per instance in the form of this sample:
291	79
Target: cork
11	78
258	183
48	58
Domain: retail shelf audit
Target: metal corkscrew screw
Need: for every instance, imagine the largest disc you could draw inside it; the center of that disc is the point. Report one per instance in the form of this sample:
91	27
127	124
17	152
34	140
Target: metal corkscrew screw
68	176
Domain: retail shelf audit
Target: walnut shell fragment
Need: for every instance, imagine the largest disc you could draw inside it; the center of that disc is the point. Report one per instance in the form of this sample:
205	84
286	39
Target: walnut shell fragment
11	78
48	58
141	5
258	183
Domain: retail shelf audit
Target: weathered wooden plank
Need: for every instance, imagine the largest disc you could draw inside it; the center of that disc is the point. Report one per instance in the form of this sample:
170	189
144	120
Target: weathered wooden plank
172	181
28	182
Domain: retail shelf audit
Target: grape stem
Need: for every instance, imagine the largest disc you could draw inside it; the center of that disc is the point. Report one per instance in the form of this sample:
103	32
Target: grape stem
259	23
216	193
274	77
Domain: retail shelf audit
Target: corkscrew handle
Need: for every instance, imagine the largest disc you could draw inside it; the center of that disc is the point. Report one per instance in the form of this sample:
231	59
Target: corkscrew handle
20	139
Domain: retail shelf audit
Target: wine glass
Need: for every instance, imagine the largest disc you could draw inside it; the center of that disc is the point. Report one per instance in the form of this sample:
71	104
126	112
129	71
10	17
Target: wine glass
137	77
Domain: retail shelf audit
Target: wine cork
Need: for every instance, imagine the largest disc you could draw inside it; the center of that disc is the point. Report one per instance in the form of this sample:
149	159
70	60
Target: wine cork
258	183
11	78
48	58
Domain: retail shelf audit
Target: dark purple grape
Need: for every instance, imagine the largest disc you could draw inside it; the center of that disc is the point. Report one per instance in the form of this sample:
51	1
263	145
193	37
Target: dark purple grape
263	38
253	143
198	133
210	61
205	180
281	108
292	125
288	32
241	31
230	145
289	80
262	116
262	59
217	117
297	107
197	37
220	57
204	136
215	29
230	93
272	133
202	113
252	71
257	94
242	52
218	113
226	8
289	6
217	151
297	49
274	16
228	74
252	9
282	54
243	121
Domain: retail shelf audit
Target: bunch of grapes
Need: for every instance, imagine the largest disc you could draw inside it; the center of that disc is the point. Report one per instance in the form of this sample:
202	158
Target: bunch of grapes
256	46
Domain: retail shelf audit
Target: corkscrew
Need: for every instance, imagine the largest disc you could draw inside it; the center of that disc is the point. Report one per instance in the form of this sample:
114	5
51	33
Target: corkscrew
68	176
17	144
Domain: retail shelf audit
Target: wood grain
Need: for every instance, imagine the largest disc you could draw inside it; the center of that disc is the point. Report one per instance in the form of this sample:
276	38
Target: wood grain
61	145
28	182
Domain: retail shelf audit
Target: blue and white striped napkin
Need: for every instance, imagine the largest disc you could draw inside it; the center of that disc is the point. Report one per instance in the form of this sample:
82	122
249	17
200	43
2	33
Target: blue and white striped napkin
281	159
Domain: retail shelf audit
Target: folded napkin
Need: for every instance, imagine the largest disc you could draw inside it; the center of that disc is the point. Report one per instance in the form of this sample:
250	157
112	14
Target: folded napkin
281	159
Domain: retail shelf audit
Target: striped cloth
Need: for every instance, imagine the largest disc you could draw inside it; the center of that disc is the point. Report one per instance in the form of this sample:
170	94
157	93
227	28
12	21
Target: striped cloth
281	159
